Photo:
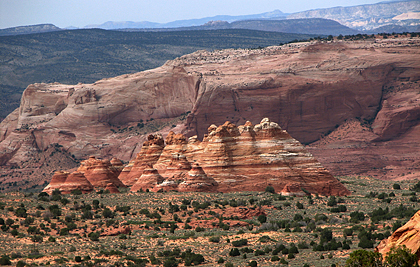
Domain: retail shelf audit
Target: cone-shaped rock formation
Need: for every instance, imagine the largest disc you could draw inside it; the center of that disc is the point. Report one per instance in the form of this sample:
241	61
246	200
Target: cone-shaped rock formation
149	179
76	181
230	158
101	172
57	181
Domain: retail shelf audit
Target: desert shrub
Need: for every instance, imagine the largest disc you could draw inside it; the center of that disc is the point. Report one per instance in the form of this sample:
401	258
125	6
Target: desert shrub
382	195
199	229
284	261
170	262
396	225
173	208
253	264
37	238
347	232
340	208
356	216
332	201
270	189
396	186
214	239
191	258
400	256
262	218
94	236
154	260
416	187
107	213
21	212
259	252
365	242
76	192
299	205
320	217
364	258
234	252
303	245
326	235
55	210
20	263
5	260
240	243
229	264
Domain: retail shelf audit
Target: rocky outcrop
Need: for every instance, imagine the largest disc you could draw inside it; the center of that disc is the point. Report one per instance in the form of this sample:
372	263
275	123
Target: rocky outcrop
198	181
76	181
310	89
112	188
148	156
149	179
231	158
407	235
100	173
57	181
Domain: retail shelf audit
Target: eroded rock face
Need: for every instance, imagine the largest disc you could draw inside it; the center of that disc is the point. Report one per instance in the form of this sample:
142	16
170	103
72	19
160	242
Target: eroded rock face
57	181
148	156
408	235
76	181
149	179
101	172
112	188
310	89
231	158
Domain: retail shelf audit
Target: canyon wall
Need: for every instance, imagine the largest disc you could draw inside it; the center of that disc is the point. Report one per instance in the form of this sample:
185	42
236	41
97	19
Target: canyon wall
311	89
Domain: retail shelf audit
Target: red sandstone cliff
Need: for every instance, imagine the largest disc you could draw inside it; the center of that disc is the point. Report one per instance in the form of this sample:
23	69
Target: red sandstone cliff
311	89
408	235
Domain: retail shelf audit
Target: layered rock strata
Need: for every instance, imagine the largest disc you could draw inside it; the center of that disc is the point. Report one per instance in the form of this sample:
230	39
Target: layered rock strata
99	174
407	235
76	181
57	181
102	172
310	89
231	158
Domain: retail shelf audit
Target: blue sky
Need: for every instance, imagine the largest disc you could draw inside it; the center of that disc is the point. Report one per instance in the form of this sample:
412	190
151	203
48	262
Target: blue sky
79	13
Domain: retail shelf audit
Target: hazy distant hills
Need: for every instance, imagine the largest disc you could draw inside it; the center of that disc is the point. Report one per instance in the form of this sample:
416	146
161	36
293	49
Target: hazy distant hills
312	26
303	26
29	29
112	25
73	56
369	17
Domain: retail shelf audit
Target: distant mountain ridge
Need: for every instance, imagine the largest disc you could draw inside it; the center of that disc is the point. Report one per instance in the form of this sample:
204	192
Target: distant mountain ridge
112	25
39	28
367	17
302	26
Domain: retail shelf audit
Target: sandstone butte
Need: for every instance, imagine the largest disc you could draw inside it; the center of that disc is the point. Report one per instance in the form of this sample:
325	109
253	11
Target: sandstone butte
355	104
407	235
92	173
230	158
